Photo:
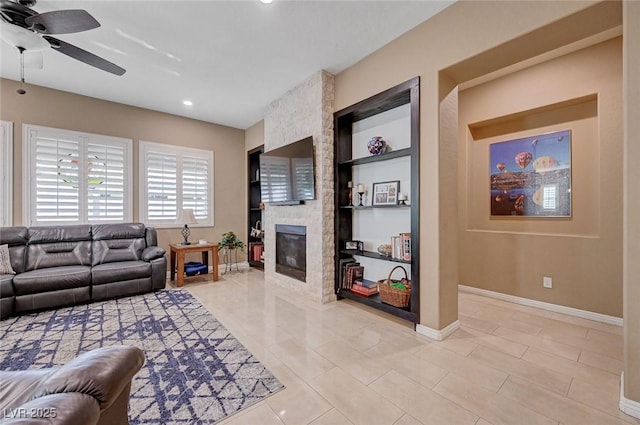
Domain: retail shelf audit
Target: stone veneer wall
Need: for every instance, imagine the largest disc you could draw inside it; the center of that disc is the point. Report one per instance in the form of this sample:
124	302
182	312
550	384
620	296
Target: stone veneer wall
306	110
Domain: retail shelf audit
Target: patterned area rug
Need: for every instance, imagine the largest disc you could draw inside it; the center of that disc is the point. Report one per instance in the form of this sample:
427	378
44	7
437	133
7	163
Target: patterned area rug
195	372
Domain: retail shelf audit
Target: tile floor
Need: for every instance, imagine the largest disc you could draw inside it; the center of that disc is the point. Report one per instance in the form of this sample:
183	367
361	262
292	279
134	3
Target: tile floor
343	363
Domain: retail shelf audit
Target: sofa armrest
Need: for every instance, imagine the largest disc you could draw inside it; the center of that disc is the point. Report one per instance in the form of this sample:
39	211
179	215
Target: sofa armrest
152	253
102	373
54	409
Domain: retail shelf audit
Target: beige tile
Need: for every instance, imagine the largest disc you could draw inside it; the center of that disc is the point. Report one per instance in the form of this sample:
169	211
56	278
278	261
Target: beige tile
553	327
496	408
408	420
357	364
459	342
413	367
482	421
543	344
423	404
332	417
609	364
574	369
591	324
472	369
357	402
540	375
305	362
497	343
602	399
478	324
260	414
554	406
298	404
593	346
605	338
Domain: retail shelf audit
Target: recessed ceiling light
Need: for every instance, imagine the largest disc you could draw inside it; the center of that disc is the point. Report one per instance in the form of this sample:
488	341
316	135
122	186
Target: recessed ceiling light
266	1
187	103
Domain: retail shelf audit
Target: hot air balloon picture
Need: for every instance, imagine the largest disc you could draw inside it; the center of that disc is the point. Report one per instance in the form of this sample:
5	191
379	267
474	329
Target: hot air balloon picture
531	176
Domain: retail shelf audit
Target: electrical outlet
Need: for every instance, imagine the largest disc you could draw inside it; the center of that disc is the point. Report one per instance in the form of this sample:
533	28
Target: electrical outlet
547	282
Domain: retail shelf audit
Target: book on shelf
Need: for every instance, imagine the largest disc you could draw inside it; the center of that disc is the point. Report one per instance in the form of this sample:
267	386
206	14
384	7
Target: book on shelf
406	246
366	283
363	290
343	262
396	251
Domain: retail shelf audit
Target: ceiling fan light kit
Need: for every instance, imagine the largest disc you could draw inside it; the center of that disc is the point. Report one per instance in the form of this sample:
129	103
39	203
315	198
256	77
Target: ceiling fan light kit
28	30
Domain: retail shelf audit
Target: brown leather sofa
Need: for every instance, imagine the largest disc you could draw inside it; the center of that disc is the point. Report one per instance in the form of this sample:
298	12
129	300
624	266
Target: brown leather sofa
91	389
66	265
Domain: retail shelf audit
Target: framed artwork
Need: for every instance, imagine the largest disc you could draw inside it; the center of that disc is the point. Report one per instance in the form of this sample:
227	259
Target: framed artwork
386	193
531	176
359	245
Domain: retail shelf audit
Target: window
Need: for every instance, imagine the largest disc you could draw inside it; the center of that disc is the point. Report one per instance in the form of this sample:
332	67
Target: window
174	178
6	172
76	178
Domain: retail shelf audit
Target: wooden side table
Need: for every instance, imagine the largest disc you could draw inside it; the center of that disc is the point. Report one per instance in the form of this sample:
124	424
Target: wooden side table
178	252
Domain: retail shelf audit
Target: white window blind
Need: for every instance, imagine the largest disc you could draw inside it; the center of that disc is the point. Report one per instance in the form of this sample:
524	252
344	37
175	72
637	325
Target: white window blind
75	178
276	175
175	178
6	173
303	178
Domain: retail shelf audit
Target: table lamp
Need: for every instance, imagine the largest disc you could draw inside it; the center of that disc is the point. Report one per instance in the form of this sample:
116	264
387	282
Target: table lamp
187	217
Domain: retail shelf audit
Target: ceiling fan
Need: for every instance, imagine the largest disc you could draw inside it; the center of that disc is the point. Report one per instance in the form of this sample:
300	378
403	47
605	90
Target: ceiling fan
29	30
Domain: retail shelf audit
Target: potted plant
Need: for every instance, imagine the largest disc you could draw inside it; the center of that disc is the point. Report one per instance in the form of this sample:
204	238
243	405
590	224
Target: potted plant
230	241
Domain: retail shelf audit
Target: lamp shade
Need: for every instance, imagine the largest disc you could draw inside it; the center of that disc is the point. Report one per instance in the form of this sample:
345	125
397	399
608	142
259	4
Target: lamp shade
187	217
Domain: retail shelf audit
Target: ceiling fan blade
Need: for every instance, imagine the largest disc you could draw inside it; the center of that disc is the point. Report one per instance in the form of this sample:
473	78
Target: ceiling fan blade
62	22
84	56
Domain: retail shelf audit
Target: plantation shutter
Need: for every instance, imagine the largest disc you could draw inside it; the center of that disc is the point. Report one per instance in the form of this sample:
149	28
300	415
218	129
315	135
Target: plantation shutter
303	180
76	178
276	185
162	173
57	180
195	186
105	182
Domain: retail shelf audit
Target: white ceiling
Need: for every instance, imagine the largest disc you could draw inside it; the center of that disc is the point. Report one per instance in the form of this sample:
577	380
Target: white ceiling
230	58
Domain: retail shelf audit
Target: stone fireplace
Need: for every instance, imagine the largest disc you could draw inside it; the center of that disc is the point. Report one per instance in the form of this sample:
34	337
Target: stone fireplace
291	251
306	110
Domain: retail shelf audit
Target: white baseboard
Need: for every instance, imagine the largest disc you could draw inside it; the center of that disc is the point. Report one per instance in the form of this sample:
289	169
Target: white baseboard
436	334
629	407
570	311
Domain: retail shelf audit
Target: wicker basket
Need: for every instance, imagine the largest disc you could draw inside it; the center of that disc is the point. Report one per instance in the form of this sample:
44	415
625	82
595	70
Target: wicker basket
395	296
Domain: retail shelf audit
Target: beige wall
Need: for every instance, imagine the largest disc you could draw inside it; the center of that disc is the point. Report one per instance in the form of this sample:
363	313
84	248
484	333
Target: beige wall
583	253
254	136
631	90
453	47
53	108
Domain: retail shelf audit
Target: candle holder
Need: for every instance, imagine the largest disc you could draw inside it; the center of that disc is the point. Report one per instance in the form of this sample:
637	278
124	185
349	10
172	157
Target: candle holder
402	199
360	194
350	186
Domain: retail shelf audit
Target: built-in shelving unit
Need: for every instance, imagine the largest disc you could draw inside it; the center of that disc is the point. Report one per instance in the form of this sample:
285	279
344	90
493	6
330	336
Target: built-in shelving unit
394	114
255	211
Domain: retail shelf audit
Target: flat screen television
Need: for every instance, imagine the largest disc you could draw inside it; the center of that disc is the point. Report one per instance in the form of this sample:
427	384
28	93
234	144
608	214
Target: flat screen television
287	174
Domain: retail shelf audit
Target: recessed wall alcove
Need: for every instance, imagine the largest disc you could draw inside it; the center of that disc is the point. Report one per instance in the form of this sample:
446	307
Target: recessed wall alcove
518	89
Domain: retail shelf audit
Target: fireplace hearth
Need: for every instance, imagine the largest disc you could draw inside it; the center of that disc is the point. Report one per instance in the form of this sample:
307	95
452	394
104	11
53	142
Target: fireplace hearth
291	251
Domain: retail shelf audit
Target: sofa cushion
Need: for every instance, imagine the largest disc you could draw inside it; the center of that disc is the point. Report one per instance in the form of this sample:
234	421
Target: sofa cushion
6	285
123	270
55	246
118	231
116	250
16	238
5	260
51	279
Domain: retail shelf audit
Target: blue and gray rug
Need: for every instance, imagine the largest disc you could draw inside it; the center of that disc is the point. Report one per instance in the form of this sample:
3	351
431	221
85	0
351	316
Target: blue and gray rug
195	372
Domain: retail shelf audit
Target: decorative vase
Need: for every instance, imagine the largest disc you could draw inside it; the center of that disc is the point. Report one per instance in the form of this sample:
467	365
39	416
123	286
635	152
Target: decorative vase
377	145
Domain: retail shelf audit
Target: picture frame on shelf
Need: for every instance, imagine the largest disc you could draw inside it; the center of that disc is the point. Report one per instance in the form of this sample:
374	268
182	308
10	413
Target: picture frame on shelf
357	245
385	193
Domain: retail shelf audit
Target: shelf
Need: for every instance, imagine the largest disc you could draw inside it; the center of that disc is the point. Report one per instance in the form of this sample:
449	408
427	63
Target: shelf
371	254
376	302
375	158
254	181
256	209
370	207
257	264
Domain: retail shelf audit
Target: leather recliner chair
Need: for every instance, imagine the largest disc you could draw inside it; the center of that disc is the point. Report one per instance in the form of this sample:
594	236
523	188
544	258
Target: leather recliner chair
91	389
